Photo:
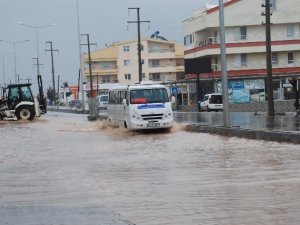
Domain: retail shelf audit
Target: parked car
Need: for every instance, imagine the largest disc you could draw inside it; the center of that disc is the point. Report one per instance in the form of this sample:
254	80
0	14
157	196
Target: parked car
211	102
102	101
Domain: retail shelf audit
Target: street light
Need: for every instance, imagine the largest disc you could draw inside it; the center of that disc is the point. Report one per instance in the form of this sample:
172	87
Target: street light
36	28
80	58
3	67
15	58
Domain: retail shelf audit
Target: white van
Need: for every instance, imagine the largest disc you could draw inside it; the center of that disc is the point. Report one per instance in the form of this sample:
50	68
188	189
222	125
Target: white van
211	102
102	101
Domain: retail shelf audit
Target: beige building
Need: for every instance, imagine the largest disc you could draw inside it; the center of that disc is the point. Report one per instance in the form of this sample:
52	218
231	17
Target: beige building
162	61
246	48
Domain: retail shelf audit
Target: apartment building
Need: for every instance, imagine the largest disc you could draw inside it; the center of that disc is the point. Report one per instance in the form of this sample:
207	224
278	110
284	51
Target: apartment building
162	61
246	47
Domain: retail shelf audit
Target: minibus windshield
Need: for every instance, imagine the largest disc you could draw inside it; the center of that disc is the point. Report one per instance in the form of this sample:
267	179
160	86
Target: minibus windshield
142	96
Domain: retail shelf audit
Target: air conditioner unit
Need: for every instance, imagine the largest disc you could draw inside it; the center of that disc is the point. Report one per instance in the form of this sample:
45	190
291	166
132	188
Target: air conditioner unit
214	67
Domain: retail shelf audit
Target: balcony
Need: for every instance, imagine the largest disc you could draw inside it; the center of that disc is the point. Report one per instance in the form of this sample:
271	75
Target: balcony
161	50
207	41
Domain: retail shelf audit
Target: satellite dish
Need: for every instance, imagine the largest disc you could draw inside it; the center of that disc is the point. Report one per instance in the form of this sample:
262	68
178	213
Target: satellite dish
154	34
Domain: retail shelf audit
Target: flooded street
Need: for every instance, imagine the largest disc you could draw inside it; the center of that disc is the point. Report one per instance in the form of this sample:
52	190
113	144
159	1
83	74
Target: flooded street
159	178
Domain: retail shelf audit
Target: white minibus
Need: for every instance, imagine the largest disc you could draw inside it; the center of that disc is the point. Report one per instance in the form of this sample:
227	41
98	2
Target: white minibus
140	106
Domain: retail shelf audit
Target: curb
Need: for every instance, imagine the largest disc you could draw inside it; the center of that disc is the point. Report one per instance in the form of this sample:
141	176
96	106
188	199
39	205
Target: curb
277	136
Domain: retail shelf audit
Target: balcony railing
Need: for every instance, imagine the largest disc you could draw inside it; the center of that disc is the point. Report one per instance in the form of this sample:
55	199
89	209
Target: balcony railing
251	64
162	66
249	38
161	50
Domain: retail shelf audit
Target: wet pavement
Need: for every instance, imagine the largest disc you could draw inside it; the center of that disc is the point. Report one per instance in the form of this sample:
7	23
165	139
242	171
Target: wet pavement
63	170
248	120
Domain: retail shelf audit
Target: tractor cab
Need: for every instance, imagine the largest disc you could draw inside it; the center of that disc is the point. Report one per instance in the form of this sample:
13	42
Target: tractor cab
18	93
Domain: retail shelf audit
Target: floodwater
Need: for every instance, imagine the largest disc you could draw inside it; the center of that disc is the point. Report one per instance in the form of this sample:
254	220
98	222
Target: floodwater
150	178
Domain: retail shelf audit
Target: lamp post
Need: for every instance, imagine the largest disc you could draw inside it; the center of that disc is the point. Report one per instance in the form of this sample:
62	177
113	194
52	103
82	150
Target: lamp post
15	58
3	68
80	58
36	28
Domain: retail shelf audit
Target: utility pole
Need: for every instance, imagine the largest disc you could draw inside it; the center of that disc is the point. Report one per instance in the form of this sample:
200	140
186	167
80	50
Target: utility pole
19	78
52	62
97	84
78	89
226	117
139	47
37	63
268	14
57	89
28	79
90	63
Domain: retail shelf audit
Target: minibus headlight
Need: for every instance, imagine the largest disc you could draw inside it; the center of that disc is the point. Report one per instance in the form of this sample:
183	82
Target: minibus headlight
168	114
136	117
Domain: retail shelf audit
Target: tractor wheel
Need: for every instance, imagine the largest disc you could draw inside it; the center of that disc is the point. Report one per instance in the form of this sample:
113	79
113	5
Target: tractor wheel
25	113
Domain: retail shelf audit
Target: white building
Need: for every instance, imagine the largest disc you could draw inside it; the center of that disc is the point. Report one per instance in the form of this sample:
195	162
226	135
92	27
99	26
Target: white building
246	48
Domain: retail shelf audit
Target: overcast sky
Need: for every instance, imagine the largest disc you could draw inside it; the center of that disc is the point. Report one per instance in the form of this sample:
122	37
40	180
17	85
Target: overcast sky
104	20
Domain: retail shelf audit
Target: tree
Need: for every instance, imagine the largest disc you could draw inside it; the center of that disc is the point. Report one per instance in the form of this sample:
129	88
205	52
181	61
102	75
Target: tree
51	95
64	86
293	82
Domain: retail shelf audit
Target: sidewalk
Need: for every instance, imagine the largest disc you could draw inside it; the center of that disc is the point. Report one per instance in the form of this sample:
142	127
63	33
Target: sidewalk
282	127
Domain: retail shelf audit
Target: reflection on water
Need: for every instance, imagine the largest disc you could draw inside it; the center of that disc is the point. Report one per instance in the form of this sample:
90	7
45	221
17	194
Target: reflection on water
157	178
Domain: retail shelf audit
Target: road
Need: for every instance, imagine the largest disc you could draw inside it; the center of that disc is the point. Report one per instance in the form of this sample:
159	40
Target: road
62	169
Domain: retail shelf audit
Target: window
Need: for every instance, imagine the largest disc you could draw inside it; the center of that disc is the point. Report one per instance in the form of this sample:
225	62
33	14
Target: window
26	94
105	65
243	60
143	76
127	76
188	40
154	48
155	63
105	79
126	48
142	61
243	31
149	96
240	33
274	58
240	60
290	30
273	5
156	77
126	62
142	47
290	58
